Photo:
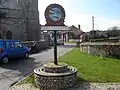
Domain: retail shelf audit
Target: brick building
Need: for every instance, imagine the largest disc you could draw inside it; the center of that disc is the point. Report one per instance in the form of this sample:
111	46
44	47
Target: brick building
72	33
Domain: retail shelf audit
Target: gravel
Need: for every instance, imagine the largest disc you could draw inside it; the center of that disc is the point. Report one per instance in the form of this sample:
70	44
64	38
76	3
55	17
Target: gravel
78	86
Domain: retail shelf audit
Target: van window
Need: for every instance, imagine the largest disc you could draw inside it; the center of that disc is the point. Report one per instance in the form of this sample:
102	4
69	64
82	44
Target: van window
12	44
18	44
8	44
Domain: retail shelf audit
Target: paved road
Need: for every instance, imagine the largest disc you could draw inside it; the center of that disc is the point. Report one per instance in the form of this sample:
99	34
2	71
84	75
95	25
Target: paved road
17	69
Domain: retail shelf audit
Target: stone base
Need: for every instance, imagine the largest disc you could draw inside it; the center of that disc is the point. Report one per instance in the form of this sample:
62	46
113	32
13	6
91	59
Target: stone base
55	81
52	68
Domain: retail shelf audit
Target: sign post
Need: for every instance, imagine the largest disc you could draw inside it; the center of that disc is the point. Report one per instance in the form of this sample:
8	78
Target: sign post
55	16
55	48
55	29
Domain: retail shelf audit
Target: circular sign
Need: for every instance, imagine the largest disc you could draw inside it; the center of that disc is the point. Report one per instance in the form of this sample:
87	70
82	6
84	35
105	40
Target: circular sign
55	15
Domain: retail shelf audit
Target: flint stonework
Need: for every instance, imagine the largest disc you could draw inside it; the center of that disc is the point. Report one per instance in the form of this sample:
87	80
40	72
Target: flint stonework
55	80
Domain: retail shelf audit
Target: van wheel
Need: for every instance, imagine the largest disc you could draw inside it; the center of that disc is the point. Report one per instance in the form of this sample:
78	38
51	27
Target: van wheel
5	59
26	55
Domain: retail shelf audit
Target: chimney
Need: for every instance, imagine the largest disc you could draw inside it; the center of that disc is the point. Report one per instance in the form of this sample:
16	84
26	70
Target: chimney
79	26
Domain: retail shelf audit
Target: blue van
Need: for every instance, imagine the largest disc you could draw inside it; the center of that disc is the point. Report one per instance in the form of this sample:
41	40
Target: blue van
12	49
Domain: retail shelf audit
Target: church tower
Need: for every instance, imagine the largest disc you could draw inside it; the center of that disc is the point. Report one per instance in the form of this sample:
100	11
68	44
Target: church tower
31	14
23	21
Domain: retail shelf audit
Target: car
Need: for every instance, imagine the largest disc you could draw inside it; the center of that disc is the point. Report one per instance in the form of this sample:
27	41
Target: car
51	42
12	49
59	42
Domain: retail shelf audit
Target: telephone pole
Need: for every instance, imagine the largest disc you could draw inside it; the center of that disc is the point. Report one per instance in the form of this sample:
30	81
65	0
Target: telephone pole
93	26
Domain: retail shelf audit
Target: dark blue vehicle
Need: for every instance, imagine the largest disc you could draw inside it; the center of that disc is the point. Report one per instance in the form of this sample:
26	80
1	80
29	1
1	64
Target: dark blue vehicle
12	49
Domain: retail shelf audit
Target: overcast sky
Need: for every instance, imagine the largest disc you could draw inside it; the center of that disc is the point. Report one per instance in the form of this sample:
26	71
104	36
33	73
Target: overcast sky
106	12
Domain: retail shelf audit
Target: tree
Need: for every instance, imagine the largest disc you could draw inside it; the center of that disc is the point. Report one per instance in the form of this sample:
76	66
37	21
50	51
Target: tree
113	33
92	34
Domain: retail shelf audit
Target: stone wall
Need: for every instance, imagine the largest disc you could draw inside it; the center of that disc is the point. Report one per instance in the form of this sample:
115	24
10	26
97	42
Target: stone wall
104	49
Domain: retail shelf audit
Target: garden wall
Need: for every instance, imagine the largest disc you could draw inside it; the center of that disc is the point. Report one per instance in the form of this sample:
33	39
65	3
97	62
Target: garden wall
105	49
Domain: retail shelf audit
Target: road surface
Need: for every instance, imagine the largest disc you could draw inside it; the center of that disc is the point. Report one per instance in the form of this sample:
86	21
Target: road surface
17	69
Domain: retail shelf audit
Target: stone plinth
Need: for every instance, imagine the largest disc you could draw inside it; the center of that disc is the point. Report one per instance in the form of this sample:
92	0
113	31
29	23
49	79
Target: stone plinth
57	79
52	68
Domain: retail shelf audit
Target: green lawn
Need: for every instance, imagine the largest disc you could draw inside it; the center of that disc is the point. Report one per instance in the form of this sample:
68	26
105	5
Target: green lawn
29	79
90	68
93	68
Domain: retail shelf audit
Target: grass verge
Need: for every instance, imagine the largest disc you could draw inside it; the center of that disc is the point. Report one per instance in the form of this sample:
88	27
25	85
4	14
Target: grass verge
29	79
93	68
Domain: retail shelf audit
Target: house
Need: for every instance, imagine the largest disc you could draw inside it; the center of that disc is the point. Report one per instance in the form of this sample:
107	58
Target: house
72	33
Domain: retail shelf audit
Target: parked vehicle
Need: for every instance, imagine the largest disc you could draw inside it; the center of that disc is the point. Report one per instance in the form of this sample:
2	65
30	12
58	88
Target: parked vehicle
12	49
33	48
59	42
51	42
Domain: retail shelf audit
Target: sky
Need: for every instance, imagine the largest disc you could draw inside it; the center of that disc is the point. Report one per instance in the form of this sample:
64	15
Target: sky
106	13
